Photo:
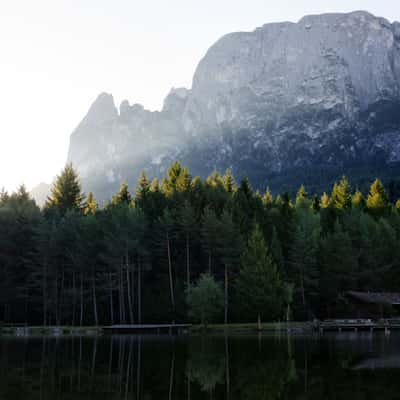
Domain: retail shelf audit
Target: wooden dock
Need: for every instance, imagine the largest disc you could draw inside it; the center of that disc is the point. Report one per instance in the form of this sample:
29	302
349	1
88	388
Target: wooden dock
149	328
356	325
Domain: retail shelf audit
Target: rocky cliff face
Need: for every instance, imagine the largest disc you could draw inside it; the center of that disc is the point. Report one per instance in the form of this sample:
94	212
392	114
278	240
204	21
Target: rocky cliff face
287	97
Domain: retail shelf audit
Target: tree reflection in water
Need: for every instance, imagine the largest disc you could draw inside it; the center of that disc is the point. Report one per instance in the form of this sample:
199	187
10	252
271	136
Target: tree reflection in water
226	368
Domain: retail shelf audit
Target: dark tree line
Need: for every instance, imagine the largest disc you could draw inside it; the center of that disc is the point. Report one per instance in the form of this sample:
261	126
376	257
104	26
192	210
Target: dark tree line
135	259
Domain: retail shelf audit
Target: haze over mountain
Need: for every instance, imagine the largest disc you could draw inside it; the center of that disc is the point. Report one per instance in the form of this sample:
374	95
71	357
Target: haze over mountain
288	102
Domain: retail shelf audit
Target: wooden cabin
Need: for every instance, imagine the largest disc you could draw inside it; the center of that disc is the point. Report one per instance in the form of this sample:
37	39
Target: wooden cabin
373	305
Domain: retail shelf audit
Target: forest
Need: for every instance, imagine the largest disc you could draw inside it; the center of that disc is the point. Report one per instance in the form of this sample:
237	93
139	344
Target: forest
186	249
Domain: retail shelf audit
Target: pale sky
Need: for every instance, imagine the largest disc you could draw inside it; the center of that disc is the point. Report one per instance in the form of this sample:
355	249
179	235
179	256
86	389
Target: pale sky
56	56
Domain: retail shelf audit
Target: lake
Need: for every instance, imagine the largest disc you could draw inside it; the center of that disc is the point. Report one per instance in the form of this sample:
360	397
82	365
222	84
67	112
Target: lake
343	366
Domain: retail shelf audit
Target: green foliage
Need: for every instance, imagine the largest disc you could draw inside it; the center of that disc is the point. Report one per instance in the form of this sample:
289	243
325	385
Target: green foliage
91	205
66	193
259	285
205	300
77	263
123	196
341	195
377	200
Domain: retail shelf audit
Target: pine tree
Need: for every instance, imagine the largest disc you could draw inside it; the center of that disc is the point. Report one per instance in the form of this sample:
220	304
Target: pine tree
229	247
123	196
302	258
66	192
377	200
229	182
142	191
188	225
338	267
90	204
316	204
209	234
276	249
268	198
341	195
358	201
259	284
325	201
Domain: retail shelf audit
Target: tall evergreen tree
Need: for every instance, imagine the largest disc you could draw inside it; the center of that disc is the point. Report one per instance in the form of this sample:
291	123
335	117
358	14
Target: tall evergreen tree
91	205
259	284
229	248
341	197
66	193
123	196
377	200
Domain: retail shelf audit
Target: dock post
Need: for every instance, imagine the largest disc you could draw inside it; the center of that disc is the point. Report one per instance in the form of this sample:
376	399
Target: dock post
340	329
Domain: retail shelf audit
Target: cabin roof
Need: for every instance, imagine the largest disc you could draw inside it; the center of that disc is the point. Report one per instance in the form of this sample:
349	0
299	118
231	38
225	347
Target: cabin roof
375	297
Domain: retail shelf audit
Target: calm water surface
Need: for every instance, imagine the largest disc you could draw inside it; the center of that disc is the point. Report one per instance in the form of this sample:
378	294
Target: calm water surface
346	366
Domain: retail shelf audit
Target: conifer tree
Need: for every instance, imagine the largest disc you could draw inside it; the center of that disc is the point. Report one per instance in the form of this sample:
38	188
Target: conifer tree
316	204
338	267
259	284
142	191
123	197
167	232
90	204
302	258
325	200
358	201
377	200
229	182
268	198
66	192
276	249
229	247
341	195
209	234
188	224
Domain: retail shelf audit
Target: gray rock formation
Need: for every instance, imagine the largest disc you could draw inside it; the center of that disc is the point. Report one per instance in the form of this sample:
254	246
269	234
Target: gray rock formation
289	96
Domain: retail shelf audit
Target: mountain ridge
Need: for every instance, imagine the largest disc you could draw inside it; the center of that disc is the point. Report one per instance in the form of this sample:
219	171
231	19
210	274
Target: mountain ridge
319	94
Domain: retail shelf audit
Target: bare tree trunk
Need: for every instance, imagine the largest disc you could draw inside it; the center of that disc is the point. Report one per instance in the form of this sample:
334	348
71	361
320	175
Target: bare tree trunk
171	283
44	287
139	292
81	299
302	290
128	282
62	294
259	322
226	295
111	300
56	294
187	262
122	299
209	262
96	320
73	298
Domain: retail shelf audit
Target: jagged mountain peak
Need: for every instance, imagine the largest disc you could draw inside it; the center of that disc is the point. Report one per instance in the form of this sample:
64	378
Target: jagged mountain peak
324	91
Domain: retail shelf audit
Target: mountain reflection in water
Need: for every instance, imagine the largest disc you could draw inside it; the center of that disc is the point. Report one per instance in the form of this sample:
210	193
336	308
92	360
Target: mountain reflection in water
343	366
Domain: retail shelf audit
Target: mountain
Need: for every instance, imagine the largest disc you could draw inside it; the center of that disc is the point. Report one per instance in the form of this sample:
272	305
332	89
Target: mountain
286	103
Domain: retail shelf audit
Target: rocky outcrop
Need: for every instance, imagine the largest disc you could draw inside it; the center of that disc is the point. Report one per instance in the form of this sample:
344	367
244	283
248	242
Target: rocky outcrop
321	92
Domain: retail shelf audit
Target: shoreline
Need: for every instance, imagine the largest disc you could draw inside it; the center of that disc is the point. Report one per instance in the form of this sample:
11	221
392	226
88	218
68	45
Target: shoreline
211	329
